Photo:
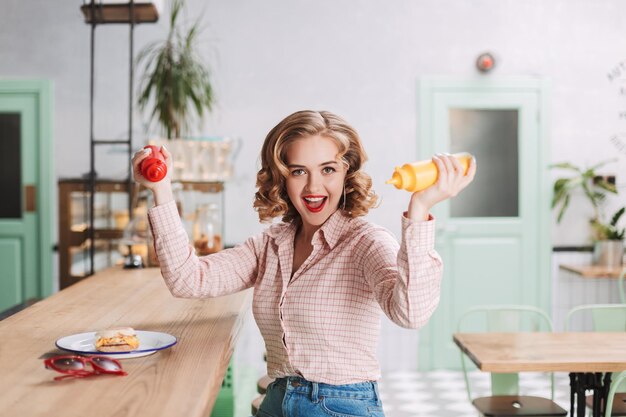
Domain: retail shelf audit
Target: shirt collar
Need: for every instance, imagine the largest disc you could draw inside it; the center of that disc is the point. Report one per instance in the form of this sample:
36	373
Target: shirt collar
331	231
281	232
334	228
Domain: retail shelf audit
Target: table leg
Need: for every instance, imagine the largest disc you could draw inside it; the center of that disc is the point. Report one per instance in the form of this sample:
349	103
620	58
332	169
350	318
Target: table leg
600	393
597	394
572	392
580	383
604	391
581	389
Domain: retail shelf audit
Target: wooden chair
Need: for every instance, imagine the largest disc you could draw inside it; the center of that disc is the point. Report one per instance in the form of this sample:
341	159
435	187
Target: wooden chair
262	383
604	318
256	403
505	400
261	387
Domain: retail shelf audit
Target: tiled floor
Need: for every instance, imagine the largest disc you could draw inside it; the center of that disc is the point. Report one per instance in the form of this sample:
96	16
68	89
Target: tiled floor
443	394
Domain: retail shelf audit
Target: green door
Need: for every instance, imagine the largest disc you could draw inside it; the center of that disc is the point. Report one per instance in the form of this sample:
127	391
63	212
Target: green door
26	184
494	237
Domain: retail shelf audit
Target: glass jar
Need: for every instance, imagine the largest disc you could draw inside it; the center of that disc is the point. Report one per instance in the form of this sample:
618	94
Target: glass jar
207	235
133	245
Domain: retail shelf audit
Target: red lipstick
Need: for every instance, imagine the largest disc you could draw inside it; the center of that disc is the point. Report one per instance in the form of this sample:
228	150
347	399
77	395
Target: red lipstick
314	203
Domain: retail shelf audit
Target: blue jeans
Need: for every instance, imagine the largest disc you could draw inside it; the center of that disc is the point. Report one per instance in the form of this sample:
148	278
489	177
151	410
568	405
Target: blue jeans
297	397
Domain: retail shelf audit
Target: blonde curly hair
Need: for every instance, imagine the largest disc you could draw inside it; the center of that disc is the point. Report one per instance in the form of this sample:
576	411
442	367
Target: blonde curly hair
271	199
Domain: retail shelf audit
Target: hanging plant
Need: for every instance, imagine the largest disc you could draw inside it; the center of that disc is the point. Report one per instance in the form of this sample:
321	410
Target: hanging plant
175	82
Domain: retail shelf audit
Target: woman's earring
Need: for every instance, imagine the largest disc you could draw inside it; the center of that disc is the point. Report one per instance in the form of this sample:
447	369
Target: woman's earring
344	198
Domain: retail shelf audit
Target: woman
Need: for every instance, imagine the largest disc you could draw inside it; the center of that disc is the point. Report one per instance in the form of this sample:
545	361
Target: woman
321	276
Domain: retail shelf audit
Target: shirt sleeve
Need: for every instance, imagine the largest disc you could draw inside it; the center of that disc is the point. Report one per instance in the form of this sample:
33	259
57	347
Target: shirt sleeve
190	276
405	280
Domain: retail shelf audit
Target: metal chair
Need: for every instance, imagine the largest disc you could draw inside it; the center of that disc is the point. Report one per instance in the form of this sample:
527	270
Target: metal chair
604	318
610	402
505	399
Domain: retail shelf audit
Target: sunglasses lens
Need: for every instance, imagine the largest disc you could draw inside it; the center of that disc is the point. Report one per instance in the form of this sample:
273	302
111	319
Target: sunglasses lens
68	364
107	364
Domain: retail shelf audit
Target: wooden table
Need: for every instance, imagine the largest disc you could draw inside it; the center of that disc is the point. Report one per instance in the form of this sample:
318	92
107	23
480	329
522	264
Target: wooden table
180	381
584	355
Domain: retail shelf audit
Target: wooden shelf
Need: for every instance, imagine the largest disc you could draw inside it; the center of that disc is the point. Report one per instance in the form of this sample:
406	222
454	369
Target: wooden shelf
104	185
120	13
202	186
593	271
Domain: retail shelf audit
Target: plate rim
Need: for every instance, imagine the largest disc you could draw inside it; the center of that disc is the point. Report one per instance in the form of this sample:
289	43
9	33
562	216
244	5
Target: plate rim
126	352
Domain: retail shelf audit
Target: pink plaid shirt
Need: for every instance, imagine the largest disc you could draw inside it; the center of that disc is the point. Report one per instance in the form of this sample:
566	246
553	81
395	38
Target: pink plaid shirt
323	323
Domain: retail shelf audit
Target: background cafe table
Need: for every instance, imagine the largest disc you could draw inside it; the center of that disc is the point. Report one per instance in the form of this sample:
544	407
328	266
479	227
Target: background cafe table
183	380
584	355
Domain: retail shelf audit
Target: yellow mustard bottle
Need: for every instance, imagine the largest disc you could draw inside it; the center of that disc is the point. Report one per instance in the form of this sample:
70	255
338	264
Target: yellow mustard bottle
420	175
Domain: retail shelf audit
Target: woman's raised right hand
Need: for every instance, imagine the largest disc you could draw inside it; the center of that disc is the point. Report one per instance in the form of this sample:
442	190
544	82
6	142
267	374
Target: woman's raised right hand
140	179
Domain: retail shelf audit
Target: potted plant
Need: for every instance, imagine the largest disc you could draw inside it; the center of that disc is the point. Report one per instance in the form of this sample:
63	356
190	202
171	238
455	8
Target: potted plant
609	244
608	238
175	84
609	231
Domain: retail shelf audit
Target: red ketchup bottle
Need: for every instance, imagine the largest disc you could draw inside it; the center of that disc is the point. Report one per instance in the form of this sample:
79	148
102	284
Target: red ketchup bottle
153	168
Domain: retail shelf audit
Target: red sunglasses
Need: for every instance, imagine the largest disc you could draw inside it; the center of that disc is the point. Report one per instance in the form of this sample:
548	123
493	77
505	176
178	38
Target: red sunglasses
80	366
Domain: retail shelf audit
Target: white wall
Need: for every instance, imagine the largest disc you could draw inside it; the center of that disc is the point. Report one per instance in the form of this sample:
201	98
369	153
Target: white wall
359	58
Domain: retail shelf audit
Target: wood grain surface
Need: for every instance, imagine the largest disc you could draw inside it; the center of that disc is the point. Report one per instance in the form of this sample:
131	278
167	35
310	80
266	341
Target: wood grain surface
594	271
545	352
180	381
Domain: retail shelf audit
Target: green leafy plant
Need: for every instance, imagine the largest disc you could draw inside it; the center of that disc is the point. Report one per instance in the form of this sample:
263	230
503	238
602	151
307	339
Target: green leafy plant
175	81
595	188
609	231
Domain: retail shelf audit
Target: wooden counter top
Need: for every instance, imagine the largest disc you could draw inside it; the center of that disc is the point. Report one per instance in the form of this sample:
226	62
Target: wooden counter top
180	381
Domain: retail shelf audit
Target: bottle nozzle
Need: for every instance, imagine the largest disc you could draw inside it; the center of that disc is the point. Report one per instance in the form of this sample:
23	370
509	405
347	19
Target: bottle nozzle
395	180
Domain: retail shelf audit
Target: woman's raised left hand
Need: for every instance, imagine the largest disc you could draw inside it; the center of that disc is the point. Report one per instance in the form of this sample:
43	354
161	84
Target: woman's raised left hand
450	181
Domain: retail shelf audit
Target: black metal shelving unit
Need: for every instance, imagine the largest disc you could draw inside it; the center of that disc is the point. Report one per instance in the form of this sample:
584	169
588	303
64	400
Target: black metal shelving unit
97	13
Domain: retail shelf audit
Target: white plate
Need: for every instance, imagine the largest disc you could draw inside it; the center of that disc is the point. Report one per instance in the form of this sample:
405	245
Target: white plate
149	343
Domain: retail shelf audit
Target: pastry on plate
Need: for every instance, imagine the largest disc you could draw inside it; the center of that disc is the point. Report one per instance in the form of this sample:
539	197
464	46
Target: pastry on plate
121	339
